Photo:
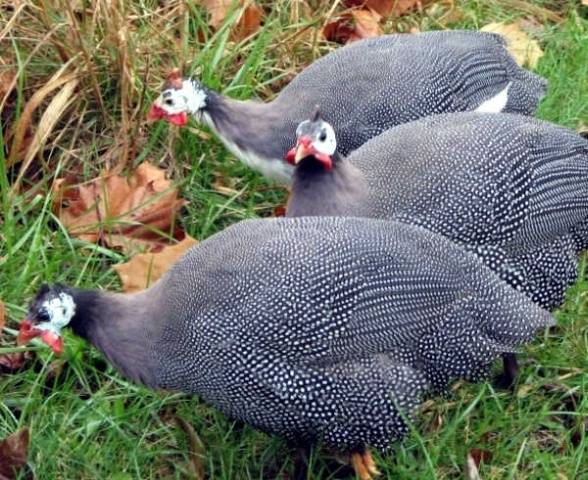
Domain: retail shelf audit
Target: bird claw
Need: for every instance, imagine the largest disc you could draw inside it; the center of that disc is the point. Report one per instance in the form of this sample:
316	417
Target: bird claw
364	465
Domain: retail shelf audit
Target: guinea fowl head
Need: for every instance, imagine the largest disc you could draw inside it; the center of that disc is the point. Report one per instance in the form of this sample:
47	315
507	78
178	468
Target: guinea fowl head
50	311
179	98
315	139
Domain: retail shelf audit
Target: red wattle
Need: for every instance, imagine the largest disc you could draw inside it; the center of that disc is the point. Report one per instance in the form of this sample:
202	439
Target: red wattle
291	155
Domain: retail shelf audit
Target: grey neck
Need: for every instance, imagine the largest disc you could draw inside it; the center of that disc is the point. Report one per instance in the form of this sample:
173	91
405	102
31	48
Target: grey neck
316	191
123	327
259	134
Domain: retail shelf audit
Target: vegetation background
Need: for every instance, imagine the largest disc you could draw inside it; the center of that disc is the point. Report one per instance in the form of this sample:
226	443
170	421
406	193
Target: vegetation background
76	79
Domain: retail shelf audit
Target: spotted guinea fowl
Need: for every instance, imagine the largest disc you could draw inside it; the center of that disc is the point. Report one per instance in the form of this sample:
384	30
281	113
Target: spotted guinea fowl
363	88
513	189
313	328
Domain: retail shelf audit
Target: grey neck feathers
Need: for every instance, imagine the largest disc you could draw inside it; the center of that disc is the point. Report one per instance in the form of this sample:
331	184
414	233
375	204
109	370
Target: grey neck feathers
319	192
251	126
123	327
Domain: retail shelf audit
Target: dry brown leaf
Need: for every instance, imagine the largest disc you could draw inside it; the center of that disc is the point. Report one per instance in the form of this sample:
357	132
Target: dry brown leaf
339	30
524	49
475	457
12	362
134	214
248	23
7	74
13	454
367	24
585	2
218	11
471	471
352	26
146	268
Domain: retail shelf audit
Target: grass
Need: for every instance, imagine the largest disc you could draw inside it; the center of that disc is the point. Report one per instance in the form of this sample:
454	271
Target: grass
86	421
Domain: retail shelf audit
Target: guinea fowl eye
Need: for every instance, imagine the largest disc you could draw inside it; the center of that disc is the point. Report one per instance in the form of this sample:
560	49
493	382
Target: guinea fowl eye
323	136
43	316
169	102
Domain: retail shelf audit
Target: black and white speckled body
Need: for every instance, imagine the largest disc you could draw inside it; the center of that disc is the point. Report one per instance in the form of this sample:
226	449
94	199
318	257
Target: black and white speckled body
369	86
508	187
314	328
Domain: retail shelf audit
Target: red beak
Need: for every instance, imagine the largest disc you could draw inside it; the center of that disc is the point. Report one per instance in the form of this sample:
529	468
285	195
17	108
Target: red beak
27	332
304	148
158	113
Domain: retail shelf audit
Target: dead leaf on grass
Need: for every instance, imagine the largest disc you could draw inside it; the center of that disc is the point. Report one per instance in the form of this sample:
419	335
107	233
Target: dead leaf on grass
524	49
134	214
13	362
471	471
367	24
7	75
352	26
13	454
248	23
145	269
218	11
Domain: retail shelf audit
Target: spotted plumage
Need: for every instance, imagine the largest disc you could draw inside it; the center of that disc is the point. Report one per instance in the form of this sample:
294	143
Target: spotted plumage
313	328
513	189
363	88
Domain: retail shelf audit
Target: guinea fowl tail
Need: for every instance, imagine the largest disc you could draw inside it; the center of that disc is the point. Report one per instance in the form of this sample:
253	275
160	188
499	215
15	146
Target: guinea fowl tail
525	92
471	337
526	89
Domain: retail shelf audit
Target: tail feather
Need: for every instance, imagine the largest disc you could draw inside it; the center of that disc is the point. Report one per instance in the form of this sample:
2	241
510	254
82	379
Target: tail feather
526	89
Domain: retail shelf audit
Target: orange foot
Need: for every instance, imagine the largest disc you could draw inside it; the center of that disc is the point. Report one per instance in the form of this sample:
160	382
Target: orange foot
364	465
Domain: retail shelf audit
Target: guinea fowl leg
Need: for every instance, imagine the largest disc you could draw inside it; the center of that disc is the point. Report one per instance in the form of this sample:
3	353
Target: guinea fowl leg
508	377
364	465
301	454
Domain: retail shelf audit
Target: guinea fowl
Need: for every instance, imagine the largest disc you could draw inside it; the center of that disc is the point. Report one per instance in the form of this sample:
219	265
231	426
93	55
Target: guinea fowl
510	188
363	88
315	329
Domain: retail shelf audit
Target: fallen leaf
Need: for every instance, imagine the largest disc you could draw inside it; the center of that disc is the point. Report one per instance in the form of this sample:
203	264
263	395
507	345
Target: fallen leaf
339	30
280	211
353	26
7	76
195	450
367	24
471	472
134	214
525	50
385	8
585	2
248	23
218	11
480	455
13	454
146	268
12	362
